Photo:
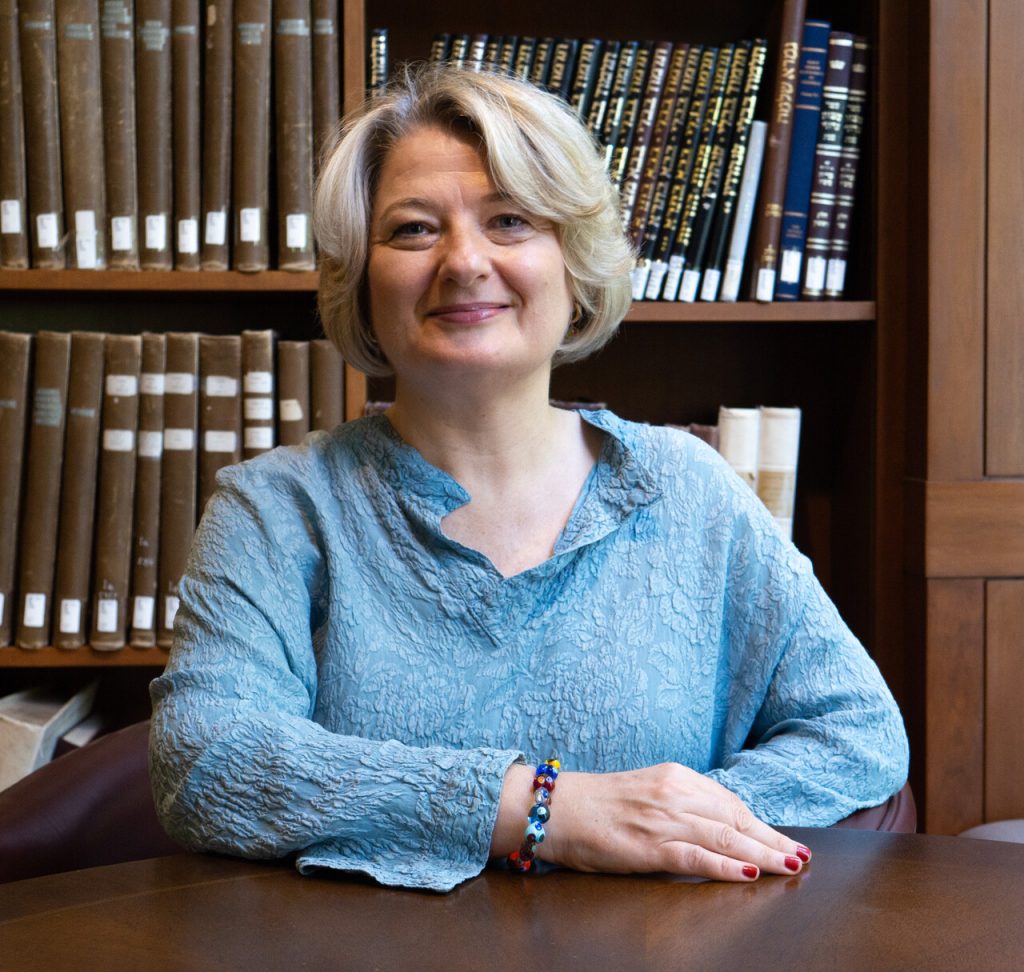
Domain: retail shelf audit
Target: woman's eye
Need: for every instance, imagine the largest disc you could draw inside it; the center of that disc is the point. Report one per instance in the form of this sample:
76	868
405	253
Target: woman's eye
412	229
510	221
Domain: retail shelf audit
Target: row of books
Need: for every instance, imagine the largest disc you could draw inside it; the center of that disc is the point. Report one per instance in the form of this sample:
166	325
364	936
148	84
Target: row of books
111	445
138	135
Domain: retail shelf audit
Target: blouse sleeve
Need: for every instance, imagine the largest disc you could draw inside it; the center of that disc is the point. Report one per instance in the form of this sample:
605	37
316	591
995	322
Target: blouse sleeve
240	764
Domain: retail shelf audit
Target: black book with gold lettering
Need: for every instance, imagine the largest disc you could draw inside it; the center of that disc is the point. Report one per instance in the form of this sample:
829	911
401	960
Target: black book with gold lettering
631	112
588	65
603	87
612	124
563	66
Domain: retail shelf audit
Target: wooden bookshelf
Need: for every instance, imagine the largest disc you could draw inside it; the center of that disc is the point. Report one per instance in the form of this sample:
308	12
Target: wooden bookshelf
131	656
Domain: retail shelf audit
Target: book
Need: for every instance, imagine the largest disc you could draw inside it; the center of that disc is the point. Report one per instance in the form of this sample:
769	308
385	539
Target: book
771	196
292	391
849	156
326	385
738	239
80	101
778	450
148	468
72	587
477	51
250	150
378	61
154	132
15	353
116	491
588	63
506	54
826	163
220	409
813	55
326	73
117	70
603	87
13	186
439	47
258	418
739	431
37	38
617	96
177	475
526	51
218	97
186	129
44	459
540	69
293	121
563	65
630	113
458	50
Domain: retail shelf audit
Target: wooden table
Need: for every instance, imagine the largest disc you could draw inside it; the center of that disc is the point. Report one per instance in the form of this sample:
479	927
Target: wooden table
867	902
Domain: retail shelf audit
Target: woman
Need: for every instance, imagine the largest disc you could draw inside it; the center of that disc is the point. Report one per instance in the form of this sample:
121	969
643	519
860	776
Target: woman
378	626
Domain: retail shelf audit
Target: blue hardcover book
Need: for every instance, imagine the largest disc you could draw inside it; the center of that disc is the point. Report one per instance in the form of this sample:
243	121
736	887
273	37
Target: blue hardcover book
811	81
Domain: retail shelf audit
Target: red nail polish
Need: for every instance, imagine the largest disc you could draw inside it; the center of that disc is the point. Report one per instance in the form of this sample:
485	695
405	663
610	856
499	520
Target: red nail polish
792	863
749	871
804	853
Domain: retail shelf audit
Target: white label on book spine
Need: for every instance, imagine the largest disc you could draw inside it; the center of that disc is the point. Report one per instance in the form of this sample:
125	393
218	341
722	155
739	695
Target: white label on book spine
765	285
156	231
688	288
151	383
118	440
259	437
835	278
85	239
70	615
121	233
142	613
296	232
259	408
106	614
46	231
3	605
217	440
122	386
151	445
291	410
170	610
10	216
731	280
179	440
179	383
673	278
789	272
816	267
657	278
709	286
35	610
188	236
216	222
221	386
258	383
249	225
638	278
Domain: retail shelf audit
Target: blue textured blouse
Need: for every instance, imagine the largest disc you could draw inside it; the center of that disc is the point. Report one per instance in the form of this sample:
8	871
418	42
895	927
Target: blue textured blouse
349	683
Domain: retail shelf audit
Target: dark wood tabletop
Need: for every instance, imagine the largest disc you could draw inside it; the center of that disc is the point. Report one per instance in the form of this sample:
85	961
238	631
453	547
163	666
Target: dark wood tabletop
867	901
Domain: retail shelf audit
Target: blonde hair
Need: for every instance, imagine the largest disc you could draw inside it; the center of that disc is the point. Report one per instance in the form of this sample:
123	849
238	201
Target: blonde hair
539	155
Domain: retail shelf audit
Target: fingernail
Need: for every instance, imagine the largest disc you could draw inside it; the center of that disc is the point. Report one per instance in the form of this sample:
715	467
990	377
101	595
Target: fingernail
804	853
749	871
792	863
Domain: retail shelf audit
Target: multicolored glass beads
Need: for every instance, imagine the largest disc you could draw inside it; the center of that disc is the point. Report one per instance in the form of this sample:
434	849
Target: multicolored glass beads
540	813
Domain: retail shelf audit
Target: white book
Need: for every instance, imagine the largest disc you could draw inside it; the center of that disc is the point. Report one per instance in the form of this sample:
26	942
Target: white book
739	432
737	252
776	465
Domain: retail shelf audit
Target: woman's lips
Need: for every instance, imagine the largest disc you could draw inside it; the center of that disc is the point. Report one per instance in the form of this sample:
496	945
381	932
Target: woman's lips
468	313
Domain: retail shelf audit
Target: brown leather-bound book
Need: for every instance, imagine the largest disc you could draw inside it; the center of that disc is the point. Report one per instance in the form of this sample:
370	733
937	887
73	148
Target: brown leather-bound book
37	548
293	120
78	491
326	385
38	38
81	132
154	128
187	201
146	532
292	391
251	140
217	88
13	191
177	475
116	487
220	409
257	392
326	76
117	50
15	351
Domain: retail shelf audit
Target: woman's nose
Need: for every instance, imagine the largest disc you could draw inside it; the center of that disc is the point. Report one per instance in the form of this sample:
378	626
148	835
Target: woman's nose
464	258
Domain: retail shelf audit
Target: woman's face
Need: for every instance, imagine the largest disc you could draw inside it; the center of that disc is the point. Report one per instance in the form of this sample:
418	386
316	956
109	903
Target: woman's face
460	278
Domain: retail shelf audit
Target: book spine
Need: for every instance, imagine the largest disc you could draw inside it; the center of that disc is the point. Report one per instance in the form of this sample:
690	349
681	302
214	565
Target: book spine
148	469
585	76
220	409
326	385
72	587
492	53
326	73
81	131
378	76
292	391
116	500
826	163
293	119
541	68
439	47
15	354
258	392
525	54
745	200
849	156
739	432
154	132
13	186
778	450
771	196
563	66
218	87
117	63
459	50
177	475
250	151
477	52
186	128
37	37
507	54
37	548
621	84
603	87
631	113
813	56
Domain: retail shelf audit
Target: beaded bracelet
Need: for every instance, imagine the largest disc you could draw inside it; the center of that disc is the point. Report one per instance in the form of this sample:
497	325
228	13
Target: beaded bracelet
522	860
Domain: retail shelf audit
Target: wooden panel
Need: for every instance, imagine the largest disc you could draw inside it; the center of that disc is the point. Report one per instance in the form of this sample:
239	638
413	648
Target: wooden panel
1004	434
974	529
956	238
353	54
954	721
1004	714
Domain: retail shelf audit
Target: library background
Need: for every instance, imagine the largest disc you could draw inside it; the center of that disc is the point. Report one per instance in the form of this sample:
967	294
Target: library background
826	203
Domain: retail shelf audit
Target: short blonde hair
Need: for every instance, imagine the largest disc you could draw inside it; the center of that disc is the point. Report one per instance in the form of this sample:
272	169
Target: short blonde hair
539	155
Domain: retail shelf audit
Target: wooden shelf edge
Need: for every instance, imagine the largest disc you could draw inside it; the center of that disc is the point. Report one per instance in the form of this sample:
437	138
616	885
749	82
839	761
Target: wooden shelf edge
153	281
678	312
85	657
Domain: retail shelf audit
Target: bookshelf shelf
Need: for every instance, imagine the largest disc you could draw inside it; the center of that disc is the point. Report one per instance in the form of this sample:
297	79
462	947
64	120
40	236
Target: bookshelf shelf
51	657
749	312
